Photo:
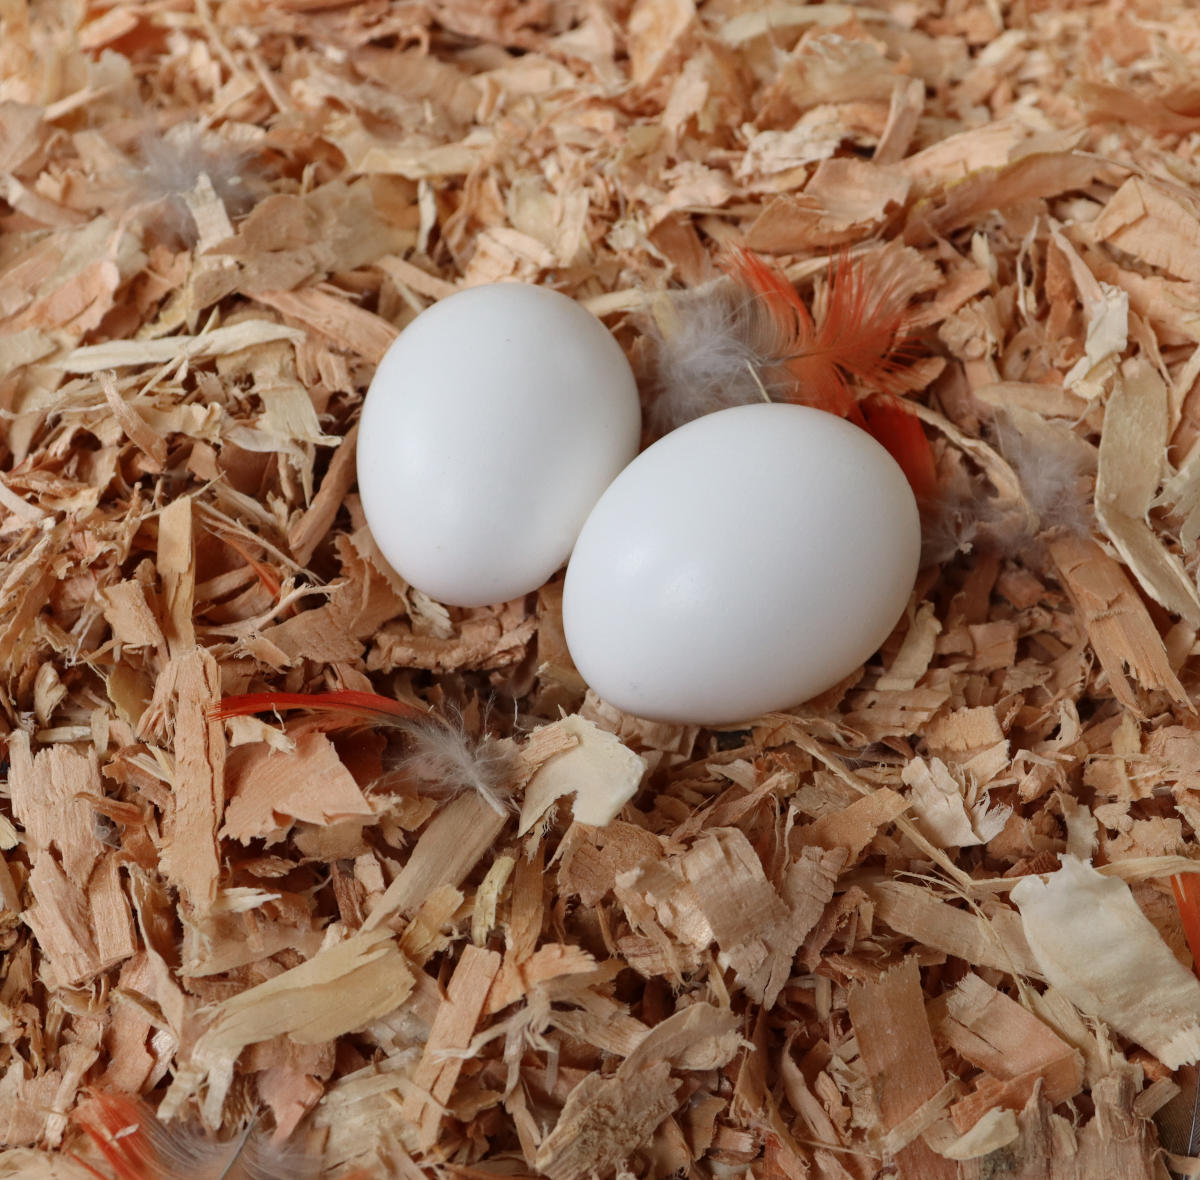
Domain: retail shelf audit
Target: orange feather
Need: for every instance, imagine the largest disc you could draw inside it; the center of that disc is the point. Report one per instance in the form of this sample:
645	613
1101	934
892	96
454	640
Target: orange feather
858	335
358	707
893	422
788	313
137	1146
797	344
120	1137
265	574
440	754
861	332
1186	887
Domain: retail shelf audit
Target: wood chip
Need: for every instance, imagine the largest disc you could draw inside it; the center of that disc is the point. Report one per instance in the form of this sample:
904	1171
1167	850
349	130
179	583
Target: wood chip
452	1029
268	790
447	851
897	1050
597	769
1118	625
803	949
1118	968
1015	1049
1132	451
998	942
190	684
343	987
119	354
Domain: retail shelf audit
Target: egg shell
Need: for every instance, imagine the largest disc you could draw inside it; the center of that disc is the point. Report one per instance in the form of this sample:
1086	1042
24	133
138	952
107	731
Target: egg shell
492	425
745	562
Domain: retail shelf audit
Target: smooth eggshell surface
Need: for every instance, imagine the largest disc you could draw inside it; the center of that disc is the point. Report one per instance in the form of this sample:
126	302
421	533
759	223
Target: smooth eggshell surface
491	427
745	562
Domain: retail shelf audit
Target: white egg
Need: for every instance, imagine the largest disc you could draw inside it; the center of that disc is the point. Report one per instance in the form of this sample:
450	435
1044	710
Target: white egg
492	425
745	562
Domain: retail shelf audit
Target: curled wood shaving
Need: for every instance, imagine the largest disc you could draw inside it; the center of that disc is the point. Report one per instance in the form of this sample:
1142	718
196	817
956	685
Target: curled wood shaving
344	986
214	221
597	769
1103	970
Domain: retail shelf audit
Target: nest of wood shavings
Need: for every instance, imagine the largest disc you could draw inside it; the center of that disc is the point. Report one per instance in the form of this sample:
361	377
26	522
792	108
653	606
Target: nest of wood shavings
920	927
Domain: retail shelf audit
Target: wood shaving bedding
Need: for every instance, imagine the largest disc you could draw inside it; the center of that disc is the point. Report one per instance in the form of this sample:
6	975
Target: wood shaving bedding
859	939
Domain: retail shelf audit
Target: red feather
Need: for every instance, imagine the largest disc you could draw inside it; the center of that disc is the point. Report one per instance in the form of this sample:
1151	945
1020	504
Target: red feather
358	707
120	1137
798	346
138	1146
440	754
265	574
893	422
1186	887
859	334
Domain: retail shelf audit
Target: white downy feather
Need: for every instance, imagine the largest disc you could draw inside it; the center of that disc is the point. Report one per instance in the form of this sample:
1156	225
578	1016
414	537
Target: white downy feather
171	166
1056	468
445	760
953	523
251	1156
705	353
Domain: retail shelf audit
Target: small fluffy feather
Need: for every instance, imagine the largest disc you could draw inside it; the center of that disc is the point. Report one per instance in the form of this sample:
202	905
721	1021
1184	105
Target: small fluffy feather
439	753
953	522
445	761
1056	468
172	163
753	337
708	352
855	331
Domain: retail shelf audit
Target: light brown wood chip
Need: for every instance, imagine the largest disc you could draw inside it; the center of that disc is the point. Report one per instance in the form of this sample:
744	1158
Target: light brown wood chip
449	848
453	1027
1118	624
343	987
269	789
189	854
996	941
1012	1045
897	1048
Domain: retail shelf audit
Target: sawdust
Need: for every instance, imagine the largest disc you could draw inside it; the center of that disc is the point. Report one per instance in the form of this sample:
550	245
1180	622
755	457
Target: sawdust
793	952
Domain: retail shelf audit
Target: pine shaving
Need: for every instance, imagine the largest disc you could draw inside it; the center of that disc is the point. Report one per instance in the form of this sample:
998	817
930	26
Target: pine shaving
839	943
598	770
343	987
1117	968
897	1051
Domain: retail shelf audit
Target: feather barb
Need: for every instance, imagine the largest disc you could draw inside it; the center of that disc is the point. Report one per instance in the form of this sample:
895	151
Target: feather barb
859	331
264	573
859	334
137	1146
1186	887
440	755
795	342
358	708
119	1136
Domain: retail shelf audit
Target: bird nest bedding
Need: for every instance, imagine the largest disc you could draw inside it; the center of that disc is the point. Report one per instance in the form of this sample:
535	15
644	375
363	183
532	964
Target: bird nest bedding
922	926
